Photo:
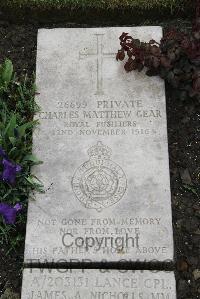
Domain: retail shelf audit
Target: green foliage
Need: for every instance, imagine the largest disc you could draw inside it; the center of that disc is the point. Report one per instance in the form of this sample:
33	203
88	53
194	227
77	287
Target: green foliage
192	189
6	73
17	108
9	294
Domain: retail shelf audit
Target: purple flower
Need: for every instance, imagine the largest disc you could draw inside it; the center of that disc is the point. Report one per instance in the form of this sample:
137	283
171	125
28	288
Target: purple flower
9	213
9	172
2	152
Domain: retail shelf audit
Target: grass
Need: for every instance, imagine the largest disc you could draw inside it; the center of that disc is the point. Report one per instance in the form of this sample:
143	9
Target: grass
171	5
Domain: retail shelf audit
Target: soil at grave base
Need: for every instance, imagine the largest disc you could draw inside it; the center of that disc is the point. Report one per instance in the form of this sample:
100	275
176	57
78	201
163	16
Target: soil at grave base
18	42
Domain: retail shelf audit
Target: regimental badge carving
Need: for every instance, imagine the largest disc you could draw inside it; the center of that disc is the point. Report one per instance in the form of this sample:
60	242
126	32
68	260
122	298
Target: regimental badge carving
99	182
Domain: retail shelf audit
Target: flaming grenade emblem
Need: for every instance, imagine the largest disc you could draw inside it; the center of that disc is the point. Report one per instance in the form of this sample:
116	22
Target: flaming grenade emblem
99	182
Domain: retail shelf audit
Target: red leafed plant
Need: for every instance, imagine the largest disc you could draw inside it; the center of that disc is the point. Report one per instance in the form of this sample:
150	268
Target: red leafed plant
176	58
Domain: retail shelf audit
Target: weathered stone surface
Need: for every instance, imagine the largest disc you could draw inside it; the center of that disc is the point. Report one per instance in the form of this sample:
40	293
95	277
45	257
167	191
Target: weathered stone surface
97	284
103	140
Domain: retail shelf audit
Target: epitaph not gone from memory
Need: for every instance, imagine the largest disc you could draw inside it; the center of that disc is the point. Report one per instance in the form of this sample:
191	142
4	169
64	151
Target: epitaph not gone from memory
103	141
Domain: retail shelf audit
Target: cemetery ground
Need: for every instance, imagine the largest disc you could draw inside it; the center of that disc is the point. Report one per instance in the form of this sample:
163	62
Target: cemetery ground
18	42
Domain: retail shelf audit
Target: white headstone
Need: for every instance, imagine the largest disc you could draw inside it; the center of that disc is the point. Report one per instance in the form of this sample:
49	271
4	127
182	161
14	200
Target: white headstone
103	141
97	284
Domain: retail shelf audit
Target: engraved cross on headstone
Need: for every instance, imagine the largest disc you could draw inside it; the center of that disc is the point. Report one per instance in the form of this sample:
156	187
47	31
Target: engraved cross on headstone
100	55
